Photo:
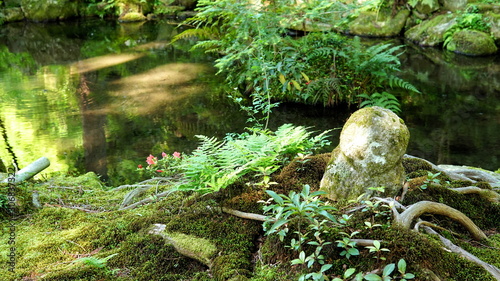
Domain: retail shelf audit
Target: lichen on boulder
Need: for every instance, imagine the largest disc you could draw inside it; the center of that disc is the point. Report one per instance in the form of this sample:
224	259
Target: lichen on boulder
472	43
372	144
378	24
431	33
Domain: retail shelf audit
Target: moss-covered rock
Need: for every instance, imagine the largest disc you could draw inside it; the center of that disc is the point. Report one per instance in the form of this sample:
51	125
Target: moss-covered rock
132	17
13	14
40	11
372	144
493	19
472	43
431	33
378	24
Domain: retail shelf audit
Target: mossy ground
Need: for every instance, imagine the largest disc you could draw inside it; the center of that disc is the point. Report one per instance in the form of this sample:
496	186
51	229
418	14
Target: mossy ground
80	219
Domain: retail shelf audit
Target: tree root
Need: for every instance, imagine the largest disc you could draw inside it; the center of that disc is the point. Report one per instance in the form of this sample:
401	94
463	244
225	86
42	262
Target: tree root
490	195
416	210
146	200
493	270
250	216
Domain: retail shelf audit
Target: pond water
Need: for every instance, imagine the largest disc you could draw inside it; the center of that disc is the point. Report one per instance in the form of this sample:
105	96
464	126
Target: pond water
101	96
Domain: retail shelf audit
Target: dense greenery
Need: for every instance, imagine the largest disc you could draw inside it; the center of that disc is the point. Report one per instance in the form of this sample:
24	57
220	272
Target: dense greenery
260	58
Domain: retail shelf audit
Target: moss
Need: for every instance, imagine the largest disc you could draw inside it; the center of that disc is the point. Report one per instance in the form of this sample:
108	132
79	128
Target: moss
415	165
421	252
299	172
482	212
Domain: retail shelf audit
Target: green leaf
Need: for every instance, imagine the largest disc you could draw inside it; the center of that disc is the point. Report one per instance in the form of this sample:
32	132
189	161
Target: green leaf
373	277
388	269
408	276
402	266
349	272
325	267
353	251
275	196
276	225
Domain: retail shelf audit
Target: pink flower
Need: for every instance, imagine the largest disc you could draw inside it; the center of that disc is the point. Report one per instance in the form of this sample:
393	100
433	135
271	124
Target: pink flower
151	160
139	166
163	155
177	154
159	171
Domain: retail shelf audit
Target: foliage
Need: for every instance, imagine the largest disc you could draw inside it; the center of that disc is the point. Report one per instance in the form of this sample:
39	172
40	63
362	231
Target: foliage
296	210
102	7
468	19
431	178
216	164
168	165
312	219
383	99
258	57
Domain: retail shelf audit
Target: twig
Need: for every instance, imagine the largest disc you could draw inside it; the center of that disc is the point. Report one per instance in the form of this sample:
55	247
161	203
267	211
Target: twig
142	183
250	216
147	200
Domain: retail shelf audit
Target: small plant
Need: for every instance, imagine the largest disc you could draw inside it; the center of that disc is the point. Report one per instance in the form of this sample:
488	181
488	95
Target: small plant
265	173
383	99
388	270
98	263
348	244
431	178
298	210
377	249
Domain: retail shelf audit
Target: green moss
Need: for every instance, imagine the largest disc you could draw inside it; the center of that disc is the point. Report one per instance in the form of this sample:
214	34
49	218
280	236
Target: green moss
482	212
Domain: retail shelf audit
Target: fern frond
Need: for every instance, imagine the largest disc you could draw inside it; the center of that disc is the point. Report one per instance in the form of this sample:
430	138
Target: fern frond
398	82
197	33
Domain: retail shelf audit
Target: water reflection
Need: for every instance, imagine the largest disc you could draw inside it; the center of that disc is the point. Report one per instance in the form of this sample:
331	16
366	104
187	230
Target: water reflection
99	96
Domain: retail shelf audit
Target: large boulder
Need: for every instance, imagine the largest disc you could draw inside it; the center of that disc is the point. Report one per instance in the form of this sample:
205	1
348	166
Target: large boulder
39	11
372	144
431	33
472	43
378	24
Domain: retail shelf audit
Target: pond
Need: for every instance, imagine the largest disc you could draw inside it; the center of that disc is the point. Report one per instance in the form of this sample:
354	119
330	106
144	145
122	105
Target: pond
101	96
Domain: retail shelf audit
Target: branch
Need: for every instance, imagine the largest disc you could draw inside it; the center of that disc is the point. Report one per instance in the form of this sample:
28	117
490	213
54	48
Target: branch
416	210
29	171
250	216
147	200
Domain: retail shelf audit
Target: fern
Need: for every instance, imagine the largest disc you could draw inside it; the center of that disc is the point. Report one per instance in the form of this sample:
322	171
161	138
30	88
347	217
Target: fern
383	99
197	33
214	165
398	82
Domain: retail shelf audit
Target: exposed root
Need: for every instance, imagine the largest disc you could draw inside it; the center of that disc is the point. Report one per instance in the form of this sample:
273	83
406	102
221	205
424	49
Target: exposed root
493	270
473	174
490	195
416	210
250	216
147	200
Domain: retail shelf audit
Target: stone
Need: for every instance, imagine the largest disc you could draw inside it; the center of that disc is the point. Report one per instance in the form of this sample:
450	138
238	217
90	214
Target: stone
430	33
40	11
427	7
472	43
372	144
382	24
132	17
454	5
494	22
